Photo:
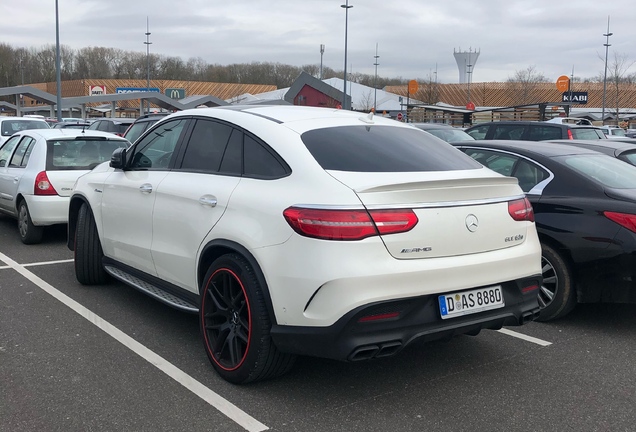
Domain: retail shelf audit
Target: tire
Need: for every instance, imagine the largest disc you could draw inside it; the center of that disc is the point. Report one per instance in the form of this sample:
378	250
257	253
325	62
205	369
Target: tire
557	295
235	324
88	252
29	233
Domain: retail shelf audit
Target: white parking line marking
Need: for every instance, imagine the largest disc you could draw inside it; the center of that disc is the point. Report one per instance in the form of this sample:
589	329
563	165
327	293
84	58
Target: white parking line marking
525	337
47	263
224	406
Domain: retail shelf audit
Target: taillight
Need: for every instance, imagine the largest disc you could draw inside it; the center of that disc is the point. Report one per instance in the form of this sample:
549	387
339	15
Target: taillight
570	136
42	185
521	210
348	224
625	220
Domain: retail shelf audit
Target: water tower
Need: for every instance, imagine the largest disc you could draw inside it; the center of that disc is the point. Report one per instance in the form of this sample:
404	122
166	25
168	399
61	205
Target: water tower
465	63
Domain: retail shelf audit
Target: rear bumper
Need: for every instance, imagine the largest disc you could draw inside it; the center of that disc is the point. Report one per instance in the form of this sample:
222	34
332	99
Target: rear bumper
419	319
48	210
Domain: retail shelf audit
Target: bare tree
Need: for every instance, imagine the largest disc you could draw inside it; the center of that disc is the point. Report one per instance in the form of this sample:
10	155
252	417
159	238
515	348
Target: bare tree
617	77
523	84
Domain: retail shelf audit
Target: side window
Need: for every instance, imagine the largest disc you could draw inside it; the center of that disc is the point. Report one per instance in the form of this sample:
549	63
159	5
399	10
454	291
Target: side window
18	155
479	132
528	174
94	125
27	153
232	162
7	148
156	149
259	161
508	132
498	162
206	146
540	133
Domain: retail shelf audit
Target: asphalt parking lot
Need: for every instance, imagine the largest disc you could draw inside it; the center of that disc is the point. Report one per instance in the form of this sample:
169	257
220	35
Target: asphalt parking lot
108	358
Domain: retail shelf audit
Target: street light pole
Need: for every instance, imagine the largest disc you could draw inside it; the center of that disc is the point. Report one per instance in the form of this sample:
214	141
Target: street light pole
606	45
147	43
58	73
322	51
375	79
346	8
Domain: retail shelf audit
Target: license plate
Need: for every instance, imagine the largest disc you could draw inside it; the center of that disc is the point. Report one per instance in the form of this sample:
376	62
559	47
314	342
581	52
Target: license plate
469	302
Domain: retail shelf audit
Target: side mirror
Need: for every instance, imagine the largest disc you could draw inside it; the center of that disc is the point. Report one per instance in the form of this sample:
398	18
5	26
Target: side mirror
118	158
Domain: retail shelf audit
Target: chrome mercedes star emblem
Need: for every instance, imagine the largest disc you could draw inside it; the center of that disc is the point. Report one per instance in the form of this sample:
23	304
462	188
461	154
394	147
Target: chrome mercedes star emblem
472	223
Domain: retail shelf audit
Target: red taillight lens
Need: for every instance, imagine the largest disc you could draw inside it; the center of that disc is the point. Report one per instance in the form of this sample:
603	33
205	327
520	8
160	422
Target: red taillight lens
625	220
379	317
521	210
570	136
42	185
348	224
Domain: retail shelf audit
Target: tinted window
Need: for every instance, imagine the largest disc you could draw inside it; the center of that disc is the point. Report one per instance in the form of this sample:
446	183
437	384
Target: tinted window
508	132
7	148
450	135
233	158
9	127
383	149
259	162
628	156
606	170
94	125
587	133
119	128
206	146
155	150
135	131
528	174
540	133
502	163
80	154
478	132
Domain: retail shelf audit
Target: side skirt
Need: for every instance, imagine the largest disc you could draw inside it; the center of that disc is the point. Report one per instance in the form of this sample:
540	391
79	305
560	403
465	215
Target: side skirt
159	290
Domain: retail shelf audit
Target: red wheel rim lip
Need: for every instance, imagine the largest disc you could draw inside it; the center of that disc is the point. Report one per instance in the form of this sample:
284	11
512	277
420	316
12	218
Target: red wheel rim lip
249	321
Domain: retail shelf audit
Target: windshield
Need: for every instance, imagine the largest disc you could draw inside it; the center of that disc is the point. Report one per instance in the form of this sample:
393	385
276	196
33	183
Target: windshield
80	154
383	149
9	127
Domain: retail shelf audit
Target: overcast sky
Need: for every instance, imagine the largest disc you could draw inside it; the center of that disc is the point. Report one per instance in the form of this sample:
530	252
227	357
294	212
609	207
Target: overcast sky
413	36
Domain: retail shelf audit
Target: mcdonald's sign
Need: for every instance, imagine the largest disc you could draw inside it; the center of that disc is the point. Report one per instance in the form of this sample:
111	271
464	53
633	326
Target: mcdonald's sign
175	93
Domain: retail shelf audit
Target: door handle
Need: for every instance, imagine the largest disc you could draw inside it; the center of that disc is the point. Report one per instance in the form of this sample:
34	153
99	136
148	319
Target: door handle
16	179
208	200
145	188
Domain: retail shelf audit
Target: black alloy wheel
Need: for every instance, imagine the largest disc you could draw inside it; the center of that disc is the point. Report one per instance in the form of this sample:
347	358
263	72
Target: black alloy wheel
236	324
227	326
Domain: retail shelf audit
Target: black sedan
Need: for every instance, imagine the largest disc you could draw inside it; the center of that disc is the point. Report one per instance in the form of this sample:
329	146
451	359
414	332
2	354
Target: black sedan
585	210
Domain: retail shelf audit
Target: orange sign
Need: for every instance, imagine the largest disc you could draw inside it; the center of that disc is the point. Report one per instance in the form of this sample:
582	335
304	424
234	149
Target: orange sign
413	87
563	83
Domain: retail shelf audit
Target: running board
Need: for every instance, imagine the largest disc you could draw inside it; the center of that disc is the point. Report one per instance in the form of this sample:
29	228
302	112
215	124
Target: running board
151	290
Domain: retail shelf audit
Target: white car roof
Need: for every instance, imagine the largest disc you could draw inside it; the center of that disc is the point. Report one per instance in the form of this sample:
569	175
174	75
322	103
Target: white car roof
48	134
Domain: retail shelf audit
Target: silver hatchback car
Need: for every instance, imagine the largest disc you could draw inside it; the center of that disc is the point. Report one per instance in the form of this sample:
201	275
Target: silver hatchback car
38	169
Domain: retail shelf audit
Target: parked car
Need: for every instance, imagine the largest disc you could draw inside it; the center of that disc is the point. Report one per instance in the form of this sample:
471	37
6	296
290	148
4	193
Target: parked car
71	125
613	131
140	125
443	131
585	209
630	133
38	168
11	125
297	230
115	125
622	150
533	131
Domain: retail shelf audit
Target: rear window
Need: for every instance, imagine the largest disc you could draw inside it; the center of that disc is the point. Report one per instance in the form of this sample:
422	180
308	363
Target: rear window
80	154
587	133
120	128
9	127
628	156
605	170
383	149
